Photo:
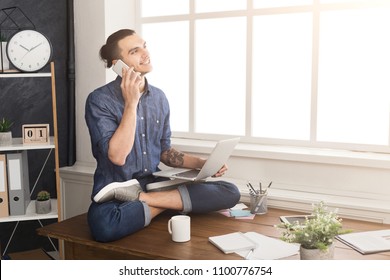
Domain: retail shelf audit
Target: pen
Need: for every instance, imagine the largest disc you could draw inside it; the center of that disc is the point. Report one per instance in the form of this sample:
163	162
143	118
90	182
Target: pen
250	185
258	203
249	253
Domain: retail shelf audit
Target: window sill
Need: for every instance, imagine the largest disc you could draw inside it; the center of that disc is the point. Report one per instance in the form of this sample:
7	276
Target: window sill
287	153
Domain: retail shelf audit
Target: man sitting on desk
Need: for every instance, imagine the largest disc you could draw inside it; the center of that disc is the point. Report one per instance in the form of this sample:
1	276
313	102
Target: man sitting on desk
128	121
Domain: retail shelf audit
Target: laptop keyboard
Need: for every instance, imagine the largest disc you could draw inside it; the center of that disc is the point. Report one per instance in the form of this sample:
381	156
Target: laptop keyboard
188	174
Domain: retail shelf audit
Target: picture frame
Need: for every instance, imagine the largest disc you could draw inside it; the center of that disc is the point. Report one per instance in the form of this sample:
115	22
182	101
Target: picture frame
294	218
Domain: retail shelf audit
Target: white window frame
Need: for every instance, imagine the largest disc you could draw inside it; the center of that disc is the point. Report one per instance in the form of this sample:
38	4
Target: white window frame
316	8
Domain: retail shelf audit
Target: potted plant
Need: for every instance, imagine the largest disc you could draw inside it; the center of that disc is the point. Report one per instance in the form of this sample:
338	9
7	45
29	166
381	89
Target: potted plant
43	203
316	234
4	63
5	132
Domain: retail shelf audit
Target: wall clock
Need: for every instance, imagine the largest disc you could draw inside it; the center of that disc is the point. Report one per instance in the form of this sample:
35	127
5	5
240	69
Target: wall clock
29	50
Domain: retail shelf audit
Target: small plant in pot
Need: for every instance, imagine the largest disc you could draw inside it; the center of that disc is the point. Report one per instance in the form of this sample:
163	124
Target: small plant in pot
5	132
317	234
43	203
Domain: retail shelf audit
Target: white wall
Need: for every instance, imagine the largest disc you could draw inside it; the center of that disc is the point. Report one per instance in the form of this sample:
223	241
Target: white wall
95	20
357	183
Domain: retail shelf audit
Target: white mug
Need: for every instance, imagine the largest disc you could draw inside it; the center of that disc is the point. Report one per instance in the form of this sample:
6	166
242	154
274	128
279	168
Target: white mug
180	228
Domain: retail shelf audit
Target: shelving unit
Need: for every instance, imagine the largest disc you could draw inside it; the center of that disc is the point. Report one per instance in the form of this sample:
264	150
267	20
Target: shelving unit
18	145
52	146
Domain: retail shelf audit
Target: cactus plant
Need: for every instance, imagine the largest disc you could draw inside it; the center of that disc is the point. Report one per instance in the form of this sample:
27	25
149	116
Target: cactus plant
43	195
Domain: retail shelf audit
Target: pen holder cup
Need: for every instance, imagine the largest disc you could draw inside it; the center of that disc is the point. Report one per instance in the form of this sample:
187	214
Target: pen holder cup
258	203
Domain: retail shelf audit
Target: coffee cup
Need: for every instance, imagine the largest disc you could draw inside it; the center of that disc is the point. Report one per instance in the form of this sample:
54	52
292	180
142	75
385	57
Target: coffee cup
180	228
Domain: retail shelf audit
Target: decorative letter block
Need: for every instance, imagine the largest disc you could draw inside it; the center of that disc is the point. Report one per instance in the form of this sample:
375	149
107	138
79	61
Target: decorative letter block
35	133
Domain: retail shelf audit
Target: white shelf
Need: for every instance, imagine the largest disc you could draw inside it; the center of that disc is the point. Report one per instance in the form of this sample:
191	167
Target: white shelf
24	75
17	145
32	215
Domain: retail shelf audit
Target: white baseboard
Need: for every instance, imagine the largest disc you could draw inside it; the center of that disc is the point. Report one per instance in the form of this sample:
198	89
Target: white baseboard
348	207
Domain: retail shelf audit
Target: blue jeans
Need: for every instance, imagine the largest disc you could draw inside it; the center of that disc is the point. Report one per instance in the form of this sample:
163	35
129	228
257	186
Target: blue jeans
113	220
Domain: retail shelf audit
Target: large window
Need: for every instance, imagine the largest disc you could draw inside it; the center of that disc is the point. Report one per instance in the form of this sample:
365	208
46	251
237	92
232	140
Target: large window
296	72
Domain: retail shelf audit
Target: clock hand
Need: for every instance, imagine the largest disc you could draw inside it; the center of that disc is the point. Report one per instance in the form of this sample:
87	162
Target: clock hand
28	51
24	48
24	56
35	47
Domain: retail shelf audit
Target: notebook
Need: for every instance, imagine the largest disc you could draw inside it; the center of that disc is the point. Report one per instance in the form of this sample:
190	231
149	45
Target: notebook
232	242
269	248
216	160
367	242
254	246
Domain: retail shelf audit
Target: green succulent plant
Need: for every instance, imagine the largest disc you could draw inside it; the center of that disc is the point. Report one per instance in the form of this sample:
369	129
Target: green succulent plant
5	125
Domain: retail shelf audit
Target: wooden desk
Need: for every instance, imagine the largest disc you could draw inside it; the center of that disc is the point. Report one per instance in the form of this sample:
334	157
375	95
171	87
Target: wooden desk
154	242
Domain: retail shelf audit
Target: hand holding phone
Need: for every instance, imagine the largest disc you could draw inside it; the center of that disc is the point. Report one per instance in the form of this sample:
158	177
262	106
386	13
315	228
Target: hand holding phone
130	89
118	66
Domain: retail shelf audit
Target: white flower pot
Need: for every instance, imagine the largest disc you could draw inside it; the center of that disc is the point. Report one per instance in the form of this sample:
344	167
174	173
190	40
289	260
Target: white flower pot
4	62
317	254
6	138
43	207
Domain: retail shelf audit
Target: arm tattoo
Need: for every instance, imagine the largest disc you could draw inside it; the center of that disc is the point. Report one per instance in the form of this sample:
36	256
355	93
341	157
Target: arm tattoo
175	158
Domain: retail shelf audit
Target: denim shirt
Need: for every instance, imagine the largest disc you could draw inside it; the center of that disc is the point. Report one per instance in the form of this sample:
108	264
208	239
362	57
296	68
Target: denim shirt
103	113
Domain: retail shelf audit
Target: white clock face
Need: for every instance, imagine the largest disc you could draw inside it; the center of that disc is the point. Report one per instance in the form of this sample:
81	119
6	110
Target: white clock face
29	50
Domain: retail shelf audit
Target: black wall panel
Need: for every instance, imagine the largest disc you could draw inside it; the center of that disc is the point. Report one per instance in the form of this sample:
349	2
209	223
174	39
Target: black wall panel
28	101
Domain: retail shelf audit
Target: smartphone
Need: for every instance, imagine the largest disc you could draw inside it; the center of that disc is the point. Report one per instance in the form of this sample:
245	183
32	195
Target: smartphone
118	66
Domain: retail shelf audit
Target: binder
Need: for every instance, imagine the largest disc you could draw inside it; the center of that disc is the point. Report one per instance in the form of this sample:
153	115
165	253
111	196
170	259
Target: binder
18	183
4	212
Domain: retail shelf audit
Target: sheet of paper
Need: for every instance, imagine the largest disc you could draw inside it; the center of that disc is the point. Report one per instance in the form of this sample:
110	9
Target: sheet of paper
239	206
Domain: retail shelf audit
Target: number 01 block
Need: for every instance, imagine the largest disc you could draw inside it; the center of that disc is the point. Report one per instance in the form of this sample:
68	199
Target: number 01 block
35	133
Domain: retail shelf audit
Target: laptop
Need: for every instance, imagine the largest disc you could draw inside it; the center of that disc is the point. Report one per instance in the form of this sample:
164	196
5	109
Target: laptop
216	160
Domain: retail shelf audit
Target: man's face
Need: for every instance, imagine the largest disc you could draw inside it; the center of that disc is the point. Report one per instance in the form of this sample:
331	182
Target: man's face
135	54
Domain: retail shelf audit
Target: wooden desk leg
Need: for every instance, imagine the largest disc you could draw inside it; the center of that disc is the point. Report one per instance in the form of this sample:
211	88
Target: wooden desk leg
69	251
